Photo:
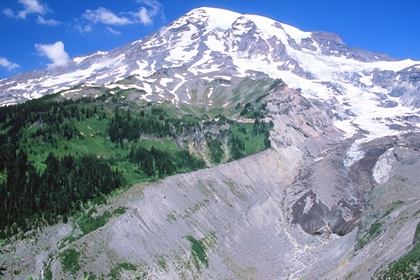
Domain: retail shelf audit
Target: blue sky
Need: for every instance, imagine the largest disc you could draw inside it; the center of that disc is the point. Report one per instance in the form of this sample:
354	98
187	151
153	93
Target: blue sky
37	34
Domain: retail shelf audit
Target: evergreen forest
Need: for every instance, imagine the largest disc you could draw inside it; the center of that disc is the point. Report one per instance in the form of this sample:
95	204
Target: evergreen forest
58	154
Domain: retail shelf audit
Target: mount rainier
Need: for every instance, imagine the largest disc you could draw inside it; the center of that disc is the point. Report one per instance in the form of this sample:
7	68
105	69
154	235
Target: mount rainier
364	90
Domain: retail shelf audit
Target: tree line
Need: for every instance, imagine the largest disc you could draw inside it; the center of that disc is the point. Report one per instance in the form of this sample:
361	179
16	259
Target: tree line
125	126
158	164
31	195
29	198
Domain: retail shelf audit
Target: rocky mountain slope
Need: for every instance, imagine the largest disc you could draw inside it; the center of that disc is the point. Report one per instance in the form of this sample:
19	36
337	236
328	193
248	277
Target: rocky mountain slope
336	197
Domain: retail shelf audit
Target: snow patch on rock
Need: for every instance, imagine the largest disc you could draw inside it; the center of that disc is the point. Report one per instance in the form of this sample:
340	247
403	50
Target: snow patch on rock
383	169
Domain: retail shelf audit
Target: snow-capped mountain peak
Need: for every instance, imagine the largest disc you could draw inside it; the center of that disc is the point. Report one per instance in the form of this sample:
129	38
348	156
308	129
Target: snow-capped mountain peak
362	90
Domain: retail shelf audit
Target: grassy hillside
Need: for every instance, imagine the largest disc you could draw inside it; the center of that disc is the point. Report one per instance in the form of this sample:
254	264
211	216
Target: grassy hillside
59	153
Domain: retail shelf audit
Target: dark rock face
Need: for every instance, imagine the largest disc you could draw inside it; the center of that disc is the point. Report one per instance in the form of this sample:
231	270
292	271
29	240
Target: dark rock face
319	218
398	92
389	104
332	45
244	40
336	204
383	78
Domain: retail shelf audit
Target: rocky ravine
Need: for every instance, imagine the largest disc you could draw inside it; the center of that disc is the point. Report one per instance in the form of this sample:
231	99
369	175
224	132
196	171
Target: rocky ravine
290	212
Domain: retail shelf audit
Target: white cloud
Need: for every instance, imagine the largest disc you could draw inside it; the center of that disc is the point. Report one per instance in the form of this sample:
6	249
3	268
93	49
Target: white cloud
51	22
9	65
55	52
29	7
9	12
149	10
144	15
112	31
83	28
102	15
